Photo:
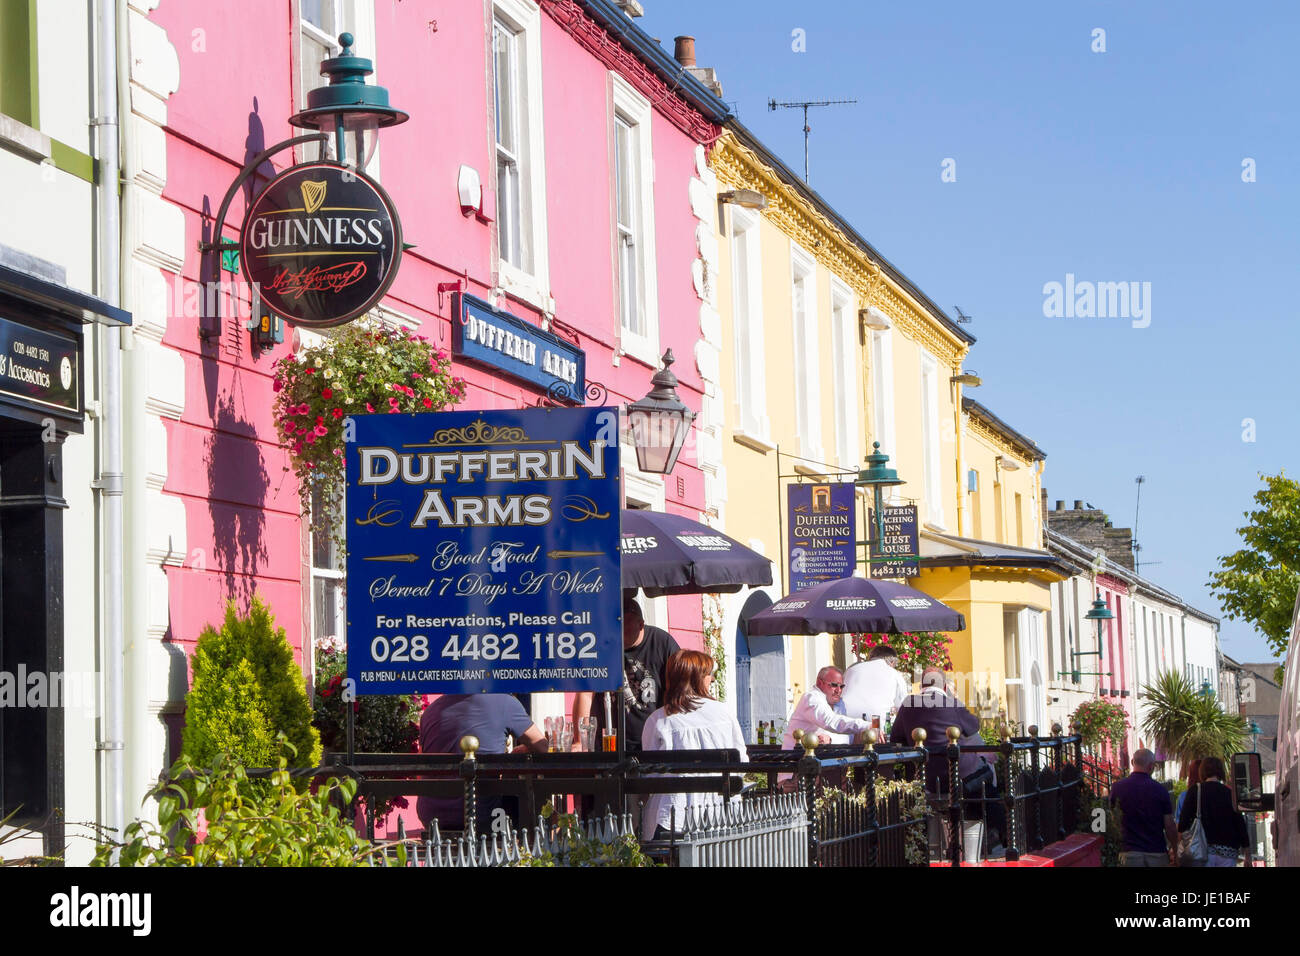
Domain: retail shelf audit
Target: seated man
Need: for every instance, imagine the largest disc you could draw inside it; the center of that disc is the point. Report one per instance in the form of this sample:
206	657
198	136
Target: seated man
934	710
821	712
489	717
874	687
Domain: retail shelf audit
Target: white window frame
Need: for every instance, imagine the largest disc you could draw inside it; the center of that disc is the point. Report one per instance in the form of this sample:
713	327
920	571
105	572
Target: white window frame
352	17
531	280
844	360
317	573
882	397
636	113
643	490
806	325
752	425
931	452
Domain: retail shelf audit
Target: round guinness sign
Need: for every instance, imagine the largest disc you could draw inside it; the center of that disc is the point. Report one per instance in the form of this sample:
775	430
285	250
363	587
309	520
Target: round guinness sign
321	243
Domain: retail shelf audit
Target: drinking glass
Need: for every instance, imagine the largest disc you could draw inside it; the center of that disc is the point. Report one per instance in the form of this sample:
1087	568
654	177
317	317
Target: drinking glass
587	733
565	728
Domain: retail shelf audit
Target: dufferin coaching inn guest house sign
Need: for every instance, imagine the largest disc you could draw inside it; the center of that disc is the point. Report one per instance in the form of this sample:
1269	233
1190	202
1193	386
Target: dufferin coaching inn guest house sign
321	244
483	552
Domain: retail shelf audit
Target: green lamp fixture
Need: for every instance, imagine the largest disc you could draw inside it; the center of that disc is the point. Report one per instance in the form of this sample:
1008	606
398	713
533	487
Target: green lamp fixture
348	105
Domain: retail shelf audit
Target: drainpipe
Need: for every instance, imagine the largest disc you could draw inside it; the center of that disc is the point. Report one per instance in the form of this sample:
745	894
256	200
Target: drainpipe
961	464
110	480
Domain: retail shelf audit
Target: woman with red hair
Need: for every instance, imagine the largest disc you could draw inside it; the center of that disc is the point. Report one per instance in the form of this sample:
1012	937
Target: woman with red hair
690	719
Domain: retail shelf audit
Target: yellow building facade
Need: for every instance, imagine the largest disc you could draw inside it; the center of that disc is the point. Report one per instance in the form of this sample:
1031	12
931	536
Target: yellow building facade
826	349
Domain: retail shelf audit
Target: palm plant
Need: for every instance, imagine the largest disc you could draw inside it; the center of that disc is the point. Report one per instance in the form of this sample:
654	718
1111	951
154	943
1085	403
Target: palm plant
1186	724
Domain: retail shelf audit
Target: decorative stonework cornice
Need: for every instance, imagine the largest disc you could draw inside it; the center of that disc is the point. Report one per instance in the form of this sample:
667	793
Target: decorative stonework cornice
597	41
739	167
982	429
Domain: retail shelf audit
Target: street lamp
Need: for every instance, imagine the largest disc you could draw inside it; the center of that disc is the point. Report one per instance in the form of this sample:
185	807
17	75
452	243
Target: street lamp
1254	730
1206	690
1098	613
348	105
876	477
660	422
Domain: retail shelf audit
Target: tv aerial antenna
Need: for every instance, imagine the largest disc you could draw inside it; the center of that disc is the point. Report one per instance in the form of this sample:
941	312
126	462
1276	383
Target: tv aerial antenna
962	316
804	105
1137	548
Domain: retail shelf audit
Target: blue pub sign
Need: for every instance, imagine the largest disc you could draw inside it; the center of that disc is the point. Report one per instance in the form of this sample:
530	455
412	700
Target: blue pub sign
506	343
483	552
822	533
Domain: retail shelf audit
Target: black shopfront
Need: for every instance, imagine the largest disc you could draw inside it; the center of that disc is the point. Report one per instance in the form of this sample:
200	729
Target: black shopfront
42	402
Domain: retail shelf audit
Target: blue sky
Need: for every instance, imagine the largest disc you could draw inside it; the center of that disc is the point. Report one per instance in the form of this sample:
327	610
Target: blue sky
1115	166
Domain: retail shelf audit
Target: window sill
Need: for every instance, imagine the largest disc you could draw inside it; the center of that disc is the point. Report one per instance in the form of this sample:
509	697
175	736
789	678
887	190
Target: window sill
526	288
18	137
642	349
758	443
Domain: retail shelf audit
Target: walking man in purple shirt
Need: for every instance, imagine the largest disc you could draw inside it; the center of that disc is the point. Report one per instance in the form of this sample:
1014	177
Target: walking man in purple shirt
1147	817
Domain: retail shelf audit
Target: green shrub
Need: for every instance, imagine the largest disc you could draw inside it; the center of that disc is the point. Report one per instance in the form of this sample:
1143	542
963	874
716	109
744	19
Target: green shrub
246	690
275	825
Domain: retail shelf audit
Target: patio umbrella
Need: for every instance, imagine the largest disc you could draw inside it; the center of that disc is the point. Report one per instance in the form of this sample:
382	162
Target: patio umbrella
669	554
856	605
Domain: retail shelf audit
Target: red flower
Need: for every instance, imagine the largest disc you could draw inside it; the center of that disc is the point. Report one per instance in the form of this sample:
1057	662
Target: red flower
309	370
428	403
337	413
320	419
276	385
310	438
327	393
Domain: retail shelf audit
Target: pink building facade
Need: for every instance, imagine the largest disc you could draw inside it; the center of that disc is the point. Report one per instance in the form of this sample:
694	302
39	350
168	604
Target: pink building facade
590	147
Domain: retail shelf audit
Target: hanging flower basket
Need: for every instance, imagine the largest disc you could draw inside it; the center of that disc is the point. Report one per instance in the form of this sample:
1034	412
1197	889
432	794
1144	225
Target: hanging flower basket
916	650
1100	720
358	370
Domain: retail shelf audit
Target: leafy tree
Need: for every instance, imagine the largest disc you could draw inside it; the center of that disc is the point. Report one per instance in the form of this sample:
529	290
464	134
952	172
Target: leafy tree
1258	584
271	825
246	689
1188	725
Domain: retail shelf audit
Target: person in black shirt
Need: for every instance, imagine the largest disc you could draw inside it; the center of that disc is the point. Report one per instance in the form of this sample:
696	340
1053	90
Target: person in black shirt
1225	828
646	650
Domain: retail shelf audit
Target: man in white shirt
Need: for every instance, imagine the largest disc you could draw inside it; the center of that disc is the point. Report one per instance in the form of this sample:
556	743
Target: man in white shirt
874	687
821	712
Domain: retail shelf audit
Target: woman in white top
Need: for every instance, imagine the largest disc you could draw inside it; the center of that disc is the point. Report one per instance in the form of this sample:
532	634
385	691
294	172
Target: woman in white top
690	719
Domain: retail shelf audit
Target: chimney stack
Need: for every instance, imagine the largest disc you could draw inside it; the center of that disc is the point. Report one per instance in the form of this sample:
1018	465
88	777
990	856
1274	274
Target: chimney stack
684	50
1078	505
1060	505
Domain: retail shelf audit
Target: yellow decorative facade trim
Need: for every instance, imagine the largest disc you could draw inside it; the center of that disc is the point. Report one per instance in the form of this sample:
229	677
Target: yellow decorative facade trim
994	439
739	167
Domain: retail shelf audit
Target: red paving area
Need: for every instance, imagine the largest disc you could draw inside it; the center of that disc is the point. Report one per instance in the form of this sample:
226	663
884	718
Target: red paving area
1078	849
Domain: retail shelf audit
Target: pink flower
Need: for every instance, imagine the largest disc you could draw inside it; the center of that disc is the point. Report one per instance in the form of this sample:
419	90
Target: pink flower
369	407
276	385
416	375
394	410
289	428
310	438
321	431
392	401
297	448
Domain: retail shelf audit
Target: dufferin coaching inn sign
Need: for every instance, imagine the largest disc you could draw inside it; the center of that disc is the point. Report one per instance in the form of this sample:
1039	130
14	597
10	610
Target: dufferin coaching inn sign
321	244
483	552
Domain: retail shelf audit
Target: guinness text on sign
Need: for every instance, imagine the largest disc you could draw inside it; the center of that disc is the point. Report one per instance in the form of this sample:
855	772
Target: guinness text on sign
322	244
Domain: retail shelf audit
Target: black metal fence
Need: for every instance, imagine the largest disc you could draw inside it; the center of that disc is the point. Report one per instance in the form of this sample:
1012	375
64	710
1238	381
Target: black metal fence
864	808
